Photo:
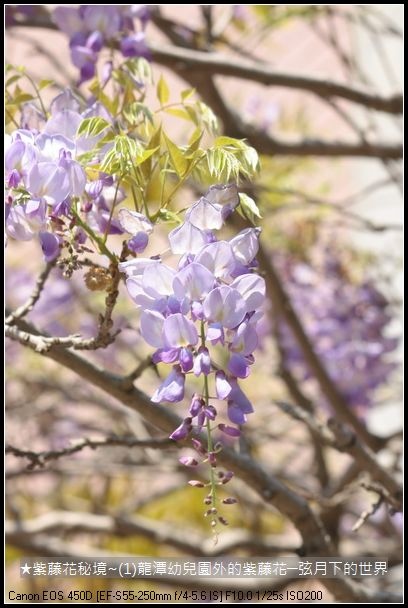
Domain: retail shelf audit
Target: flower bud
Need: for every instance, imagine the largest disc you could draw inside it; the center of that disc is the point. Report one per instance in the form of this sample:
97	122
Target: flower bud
229	501
188	461
229	430
196	484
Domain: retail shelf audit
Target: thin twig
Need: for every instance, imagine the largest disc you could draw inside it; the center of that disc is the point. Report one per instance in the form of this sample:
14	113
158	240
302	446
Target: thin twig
38	459
365	515
25	308
342	439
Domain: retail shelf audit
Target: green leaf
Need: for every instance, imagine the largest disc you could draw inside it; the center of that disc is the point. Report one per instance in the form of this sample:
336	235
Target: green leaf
251	158
249	206
135	110
163	92
223	141
143	156
140	108
193	115
180	164
92	126
155	139
109	163
207	116
169	216
12	79
179	112
140	68
126	147
110	105
43	84
194	143
22	98
187	93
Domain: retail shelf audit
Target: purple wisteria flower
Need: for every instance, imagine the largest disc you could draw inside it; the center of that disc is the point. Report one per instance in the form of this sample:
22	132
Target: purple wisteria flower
212	297
139	226
91	28
44	174
347	324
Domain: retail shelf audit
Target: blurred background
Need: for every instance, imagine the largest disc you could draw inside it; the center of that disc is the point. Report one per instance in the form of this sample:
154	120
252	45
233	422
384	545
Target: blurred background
331	223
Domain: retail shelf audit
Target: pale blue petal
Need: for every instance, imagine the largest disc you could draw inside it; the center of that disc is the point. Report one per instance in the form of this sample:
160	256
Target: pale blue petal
194	281
205	215
151	328
134	222
179	331
245	245
158	280
186	239
252	289
172	389
217	257
224	305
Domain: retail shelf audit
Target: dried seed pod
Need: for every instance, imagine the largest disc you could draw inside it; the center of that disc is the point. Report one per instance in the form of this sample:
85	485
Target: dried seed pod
98	279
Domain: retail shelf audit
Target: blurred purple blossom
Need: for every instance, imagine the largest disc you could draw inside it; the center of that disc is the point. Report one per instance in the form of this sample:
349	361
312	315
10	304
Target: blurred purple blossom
90	28
347	323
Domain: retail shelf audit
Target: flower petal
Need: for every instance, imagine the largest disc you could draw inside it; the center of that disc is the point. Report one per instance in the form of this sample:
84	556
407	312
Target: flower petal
151	327
252	289
217	257
186	239
224	305
158	280
194	281
172	389
238	366
179	331
205	215
222	385
133	222
245	245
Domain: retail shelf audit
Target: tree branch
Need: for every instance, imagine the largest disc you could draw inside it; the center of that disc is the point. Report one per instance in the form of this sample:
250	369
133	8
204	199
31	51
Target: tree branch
315	539
338	437
180	59
197	68
54	547
38	459
187	541
42	343
25	308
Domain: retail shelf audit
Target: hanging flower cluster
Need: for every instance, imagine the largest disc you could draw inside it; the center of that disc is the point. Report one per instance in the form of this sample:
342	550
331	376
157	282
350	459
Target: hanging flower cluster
347	323
91	28
43	176
201	317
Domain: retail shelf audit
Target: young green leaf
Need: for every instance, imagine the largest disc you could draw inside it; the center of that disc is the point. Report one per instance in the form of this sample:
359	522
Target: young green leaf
187	93
180	164
92	126
169	216
163	92
43	84
249	206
